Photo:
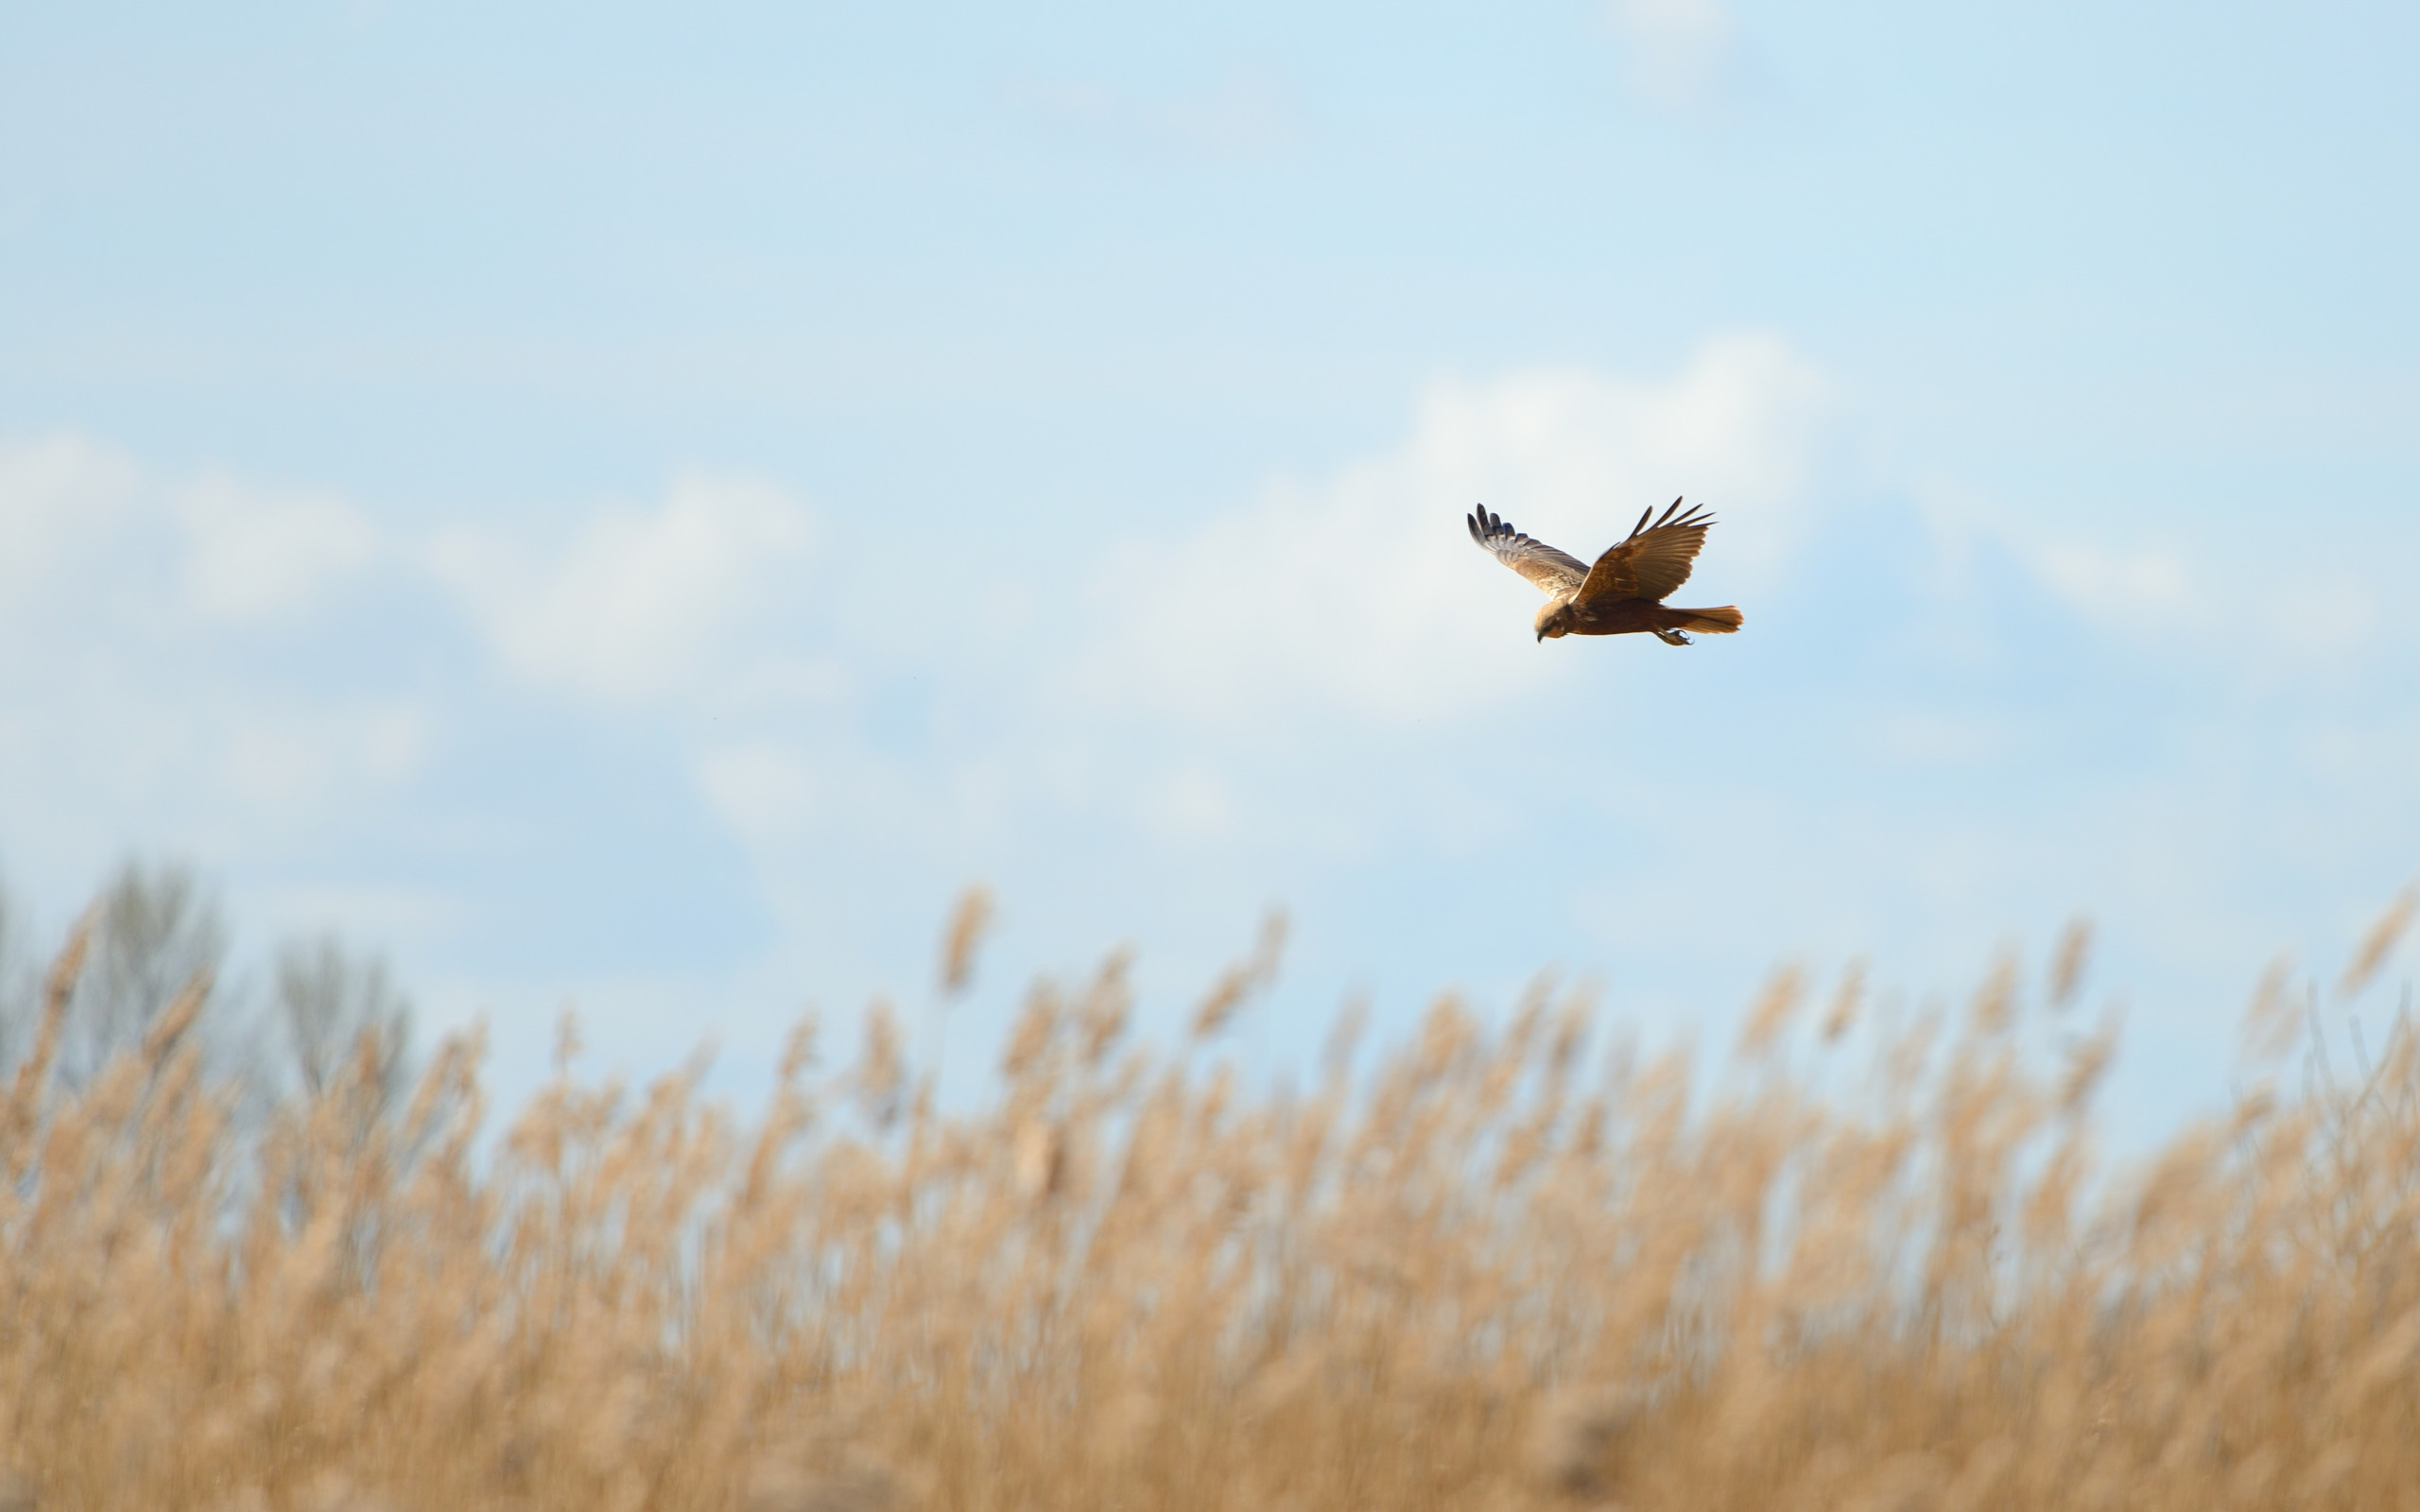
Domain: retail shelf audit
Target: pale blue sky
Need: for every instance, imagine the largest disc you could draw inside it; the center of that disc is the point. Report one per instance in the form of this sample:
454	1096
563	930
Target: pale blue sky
638	505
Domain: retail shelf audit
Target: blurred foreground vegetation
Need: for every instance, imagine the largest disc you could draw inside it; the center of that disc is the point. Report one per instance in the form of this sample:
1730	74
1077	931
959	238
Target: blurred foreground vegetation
1879	1264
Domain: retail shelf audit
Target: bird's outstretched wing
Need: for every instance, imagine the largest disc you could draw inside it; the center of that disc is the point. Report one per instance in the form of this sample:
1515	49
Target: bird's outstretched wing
1556	571
1652	561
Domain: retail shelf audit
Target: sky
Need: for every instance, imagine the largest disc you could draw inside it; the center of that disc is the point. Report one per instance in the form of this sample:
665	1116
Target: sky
637	507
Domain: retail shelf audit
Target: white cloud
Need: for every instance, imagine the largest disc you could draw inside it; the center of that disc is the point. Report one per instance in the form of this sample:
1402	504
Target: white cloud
2108	583
77	517
61	498
641	603
2224	597
132	715
1246	112
1192	802
1364	595
302	759
256	552
1676	51
2191	593
763	792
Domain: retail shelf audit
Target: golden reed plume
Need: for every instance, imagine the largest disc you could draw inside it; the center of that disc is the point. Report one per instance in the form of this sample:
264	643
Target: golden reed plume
1497	1269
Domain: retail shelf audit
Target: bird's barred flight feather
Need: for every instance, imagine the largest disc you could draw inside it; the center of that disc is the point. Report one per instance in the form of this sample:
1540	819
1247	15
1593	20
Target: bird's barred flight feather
1555	572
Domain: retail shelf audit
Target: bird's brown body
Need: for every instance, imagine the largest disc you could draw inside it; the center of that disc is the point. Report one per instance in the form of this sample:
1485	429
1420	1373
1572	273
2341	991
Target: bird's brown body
1624	592
1644	617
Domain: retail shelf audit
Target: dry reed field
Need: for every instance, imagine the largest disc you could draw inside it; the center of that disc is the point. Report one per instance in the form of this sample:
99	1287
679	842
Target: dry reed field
1867	1265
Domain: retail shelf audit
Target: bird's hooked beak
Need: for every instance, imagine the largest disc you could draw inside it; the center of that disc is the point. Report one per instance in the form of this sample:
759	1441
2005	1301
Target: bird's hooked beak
1542	635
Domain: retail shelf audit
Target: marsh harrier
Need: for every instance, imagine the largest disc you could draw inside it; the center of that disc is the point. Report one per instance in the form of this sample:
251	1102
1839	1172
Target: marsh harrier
1625	591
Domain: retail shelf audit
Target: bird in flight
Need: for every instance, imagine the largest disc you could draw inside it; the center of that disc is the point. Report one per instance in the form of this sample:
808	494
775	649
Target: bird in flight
1625	591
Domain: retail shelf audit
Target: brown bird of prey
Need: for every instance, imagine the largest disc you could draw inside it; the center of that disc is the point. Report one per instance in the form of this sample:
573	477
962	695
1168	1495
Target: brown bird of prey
1625	591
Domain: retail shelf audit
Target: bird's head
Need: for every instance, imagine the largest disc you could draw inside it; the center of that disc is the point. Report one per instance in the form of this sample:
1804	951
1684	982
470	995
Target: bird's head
1555	619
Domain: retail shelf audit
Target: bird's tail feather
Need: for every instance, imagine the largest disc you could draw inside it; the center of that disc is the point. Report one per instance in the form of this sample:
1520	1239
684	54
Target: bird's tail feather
1710	621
